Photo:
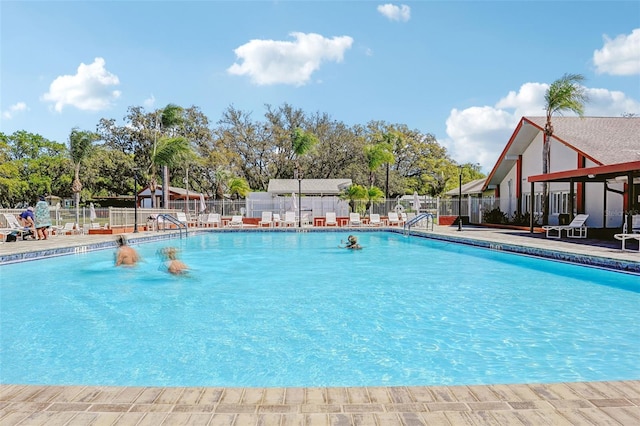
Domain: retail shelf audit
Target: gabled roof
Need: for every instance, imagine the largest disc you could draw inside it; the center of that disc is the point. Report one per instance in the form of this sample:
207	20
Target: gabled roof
309	186
473	187
603	140
174	193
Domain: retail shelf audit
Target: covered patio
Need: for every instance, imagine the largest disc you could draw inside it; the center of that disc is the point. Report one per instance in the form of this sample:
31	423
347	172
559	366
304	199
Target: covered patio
626	173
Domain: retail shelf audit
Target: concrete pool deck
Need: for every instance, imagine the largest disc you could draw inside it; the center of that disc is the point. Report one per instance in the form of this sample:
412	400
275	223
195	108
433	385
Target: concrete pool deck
582	403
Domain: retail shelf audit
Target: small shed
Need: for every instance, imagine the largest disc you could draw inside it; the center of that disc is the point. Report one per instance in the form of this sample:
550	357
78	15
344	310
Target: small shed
320	187
175	193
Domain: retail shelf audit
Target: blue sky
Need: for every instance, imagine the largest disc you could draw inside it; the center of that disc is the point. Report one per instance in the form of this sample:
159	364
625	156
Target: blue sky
465	71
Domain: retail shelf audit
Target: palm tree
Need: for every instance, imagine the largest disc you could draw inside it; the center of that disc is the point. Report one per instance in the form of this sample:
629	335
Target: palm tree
221	180
80	145
377	155
354	193
165	121
374	194
238	187
169	152
564	94
302	142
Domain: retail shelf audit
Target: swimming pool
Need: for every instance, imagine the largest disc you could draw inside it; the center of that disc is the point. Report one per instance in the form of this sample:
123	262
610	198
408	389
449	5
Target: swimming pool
292	309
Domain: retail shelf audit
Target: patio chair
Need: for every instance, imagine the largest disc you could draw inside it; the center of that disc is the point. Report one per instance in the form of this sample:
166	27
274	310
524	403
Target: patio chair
267	219
354	219
289	219
69	228
212	220
635	225
374	220
625	237
277	220
634	234
306	220
394	219
576	229
13	227
182	217
236	222
330	219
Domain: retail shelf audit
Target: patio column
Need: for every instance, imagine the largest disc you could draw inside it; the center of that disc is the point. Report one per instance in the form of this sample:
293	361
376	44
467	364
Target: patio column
571	195
531	203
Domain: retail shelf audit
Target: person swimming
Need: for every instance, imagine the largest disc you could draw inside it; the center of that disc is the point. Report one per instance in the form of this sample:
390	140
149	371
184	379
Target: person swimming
352	243
125	256
173	265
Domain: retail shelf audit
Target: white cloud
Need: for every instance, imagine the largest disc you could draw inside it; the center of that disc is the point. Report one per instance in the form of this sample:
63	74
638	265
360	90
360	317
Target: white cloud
395	13
150	101
13	109
620	56
89	89
479	134
288	62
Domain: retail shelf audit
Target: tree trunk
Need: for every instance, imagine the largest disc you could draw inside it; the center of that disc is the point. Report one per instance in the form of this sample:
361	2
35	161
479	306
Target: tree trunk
546	152
153	185
165	186
76	187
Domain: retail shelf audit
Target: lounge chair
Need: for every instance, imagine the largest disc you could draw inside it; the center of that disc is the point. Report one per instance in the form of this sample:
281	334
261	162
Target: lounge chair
625	237
330	219
68	228
354	219
212	220
277	220
306	220
236	222
374	220
576	229
13	227
182	217
267	219
633	235
289	219
635	225
394	219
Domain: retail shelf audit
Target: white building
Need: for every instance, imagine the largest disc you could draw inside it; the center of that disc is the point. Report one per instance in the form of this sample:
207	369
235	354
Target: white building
592	162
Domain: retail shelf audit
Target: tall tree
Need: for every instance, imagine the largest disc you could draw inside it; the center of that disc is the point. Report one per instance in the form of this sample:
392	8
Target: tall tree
302	142
171	117
564	94
238	187
377	155
80	146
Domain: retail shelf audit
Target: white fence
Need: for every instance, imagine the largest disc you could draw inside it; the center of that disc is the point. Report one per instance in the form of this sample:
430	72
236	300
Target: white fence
252	207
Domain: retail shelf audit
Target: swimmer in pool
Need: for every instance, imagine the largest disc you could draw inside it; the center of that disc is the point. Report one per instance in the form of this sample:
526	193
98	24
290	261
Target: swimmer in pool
125	256
174	266
352	243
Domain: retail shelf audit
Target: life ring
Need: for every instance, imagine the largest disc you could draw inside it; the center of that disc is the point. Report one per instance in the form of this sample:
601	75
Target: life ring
399	208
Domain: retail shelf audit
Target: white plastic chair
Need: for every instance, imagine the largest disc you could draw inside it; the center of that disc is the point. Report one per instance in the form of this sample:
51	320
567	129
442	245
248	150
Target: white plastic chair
289	219
330	219
374	220
236	222
267	219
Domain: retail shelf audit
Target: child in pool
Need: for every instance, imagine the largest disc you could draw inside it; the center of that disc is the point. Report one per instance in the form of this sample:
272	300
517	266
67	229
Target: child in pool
174	266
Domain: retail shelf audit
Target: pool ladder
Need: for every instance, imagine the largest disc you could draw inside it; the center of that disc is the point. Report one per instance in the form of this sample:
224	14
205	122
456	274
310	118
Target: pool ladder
174	220
419	218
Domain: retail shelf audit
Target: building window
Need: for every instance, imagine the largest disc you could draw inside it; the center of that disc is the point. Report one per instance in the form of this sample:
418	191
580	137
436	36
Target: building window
559	203
537	203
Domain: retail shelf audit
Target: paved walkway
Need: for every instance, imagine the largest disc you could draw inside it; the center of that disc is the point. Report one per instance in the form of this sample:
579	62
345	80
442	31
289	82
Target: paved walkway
592	403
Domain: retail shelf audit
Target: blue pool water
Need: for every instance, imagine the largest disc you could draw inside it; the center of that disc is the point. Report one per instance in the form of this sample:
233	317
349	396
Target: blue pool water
291	309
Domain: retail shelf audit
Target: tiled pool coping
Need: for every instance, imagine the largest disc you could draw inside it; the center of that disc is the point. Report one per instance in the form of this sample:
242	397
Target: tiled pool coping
592	403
